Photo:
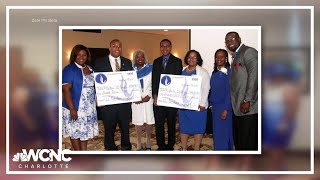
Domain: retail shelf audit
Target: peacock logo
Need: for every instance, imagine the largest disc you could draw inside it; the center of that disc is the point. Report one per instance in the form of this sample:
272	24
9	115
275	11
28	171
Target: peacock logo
20	157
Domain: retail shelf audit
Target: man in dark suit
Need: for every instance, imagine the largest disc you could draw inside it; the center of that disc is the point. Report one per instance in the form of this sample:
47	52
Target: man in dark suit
165	64
117	113
244	92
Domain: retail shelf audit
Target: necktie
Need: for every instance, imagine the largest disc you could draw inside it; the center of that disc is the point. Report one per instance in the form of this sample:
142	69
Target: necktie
164	63
234	55
117	65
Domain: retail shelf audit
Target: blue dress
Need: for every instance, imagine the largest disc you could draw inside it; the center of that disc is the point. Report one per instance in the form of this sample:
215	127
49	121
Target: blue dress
190	121
220	100
274	111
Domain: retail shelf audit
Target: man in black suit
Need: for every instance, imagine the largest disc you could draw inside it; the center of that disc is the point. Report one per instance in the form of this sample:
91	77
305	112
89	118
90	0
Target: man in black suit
165	64
117	113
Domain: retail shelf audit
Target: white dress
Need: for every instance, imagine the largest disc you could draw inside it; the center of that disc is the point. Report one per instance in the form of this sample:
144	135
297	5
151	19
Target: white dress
143	112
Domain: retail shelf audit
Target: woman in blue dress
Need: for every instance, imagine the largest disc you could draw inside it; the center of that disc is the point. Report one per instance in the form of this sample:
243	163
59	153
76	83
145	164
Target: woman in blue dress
280	107
220	101
190	121
79	113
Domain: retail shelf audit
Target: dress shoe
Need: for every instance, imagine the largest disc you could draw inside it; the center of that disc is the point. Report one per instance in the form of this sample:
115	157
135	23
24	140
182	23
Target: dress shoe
170	148
162	148
126	148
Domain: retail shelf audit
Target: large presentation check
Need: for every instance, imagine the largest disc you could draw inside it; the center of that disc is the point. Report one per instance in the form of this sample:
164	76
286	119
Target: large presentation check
179	91
117	87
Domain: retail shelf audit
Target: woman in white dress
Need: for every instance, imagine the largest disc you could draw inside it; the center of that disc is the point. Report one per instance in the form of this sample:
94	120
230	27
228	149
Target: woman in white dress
79	113
142	111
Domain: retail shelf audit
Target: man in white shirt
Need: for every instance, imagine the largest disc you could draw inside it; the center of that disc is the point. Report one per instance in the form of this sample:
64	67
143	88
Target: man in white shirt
117	113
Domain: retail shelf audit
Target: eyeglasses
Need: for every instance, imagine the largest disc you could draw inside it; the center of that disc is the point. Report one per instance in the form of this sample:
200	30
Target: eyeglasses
230	40
116	46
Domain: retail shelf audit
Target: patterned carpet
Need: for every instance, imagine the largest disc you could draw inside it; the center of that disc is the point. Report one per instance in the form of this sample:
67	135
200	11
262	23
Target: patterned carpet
96	144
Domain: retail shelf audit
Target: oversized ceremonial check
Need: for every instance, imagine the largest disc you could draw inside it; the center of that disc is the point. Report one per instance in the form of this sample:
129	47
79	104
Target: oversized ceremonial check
117	87
179	91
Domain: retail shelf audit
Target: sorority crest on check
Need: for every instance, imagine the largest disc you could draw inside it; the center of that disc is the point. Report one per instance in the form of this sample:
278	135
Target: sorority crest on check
179	91
117	87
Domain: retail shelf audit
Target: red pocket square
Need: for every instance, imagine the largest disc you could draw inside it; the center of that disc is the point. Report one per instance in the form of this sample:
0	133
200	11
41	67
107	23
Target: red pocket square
237	64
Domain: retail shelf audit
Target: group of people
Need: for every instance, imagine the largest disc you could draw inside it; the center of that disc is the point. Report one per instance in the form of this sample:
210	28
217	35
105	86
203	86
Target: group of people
231	94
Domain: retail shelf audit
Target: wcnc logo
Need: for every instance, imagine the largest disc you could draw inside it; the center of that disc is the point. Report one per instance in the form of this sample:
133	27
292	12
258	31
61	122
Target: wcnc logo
43	155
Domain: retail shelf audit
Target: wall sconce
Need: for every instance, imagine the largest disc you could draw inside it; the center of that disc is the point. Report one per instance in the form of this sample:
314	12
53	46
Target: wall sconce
131	55
175	54
66	56
68	52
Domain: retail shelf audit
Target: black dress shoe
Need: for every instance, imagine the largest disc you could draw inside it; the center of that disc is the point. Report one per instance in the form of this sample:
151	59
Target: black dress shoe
112	148
170	148
162	148
126	148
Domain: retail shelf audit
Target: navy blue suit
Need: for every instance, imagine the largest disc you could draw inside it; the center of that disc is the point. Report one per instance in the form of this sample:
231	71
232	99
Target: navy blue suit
174	66
117	113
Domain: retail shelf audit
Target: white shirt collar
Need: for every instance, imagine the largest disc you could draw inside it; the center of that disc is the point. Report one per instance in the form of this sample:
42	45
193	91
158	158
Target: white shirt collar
239	47
113	58
83	67
80	66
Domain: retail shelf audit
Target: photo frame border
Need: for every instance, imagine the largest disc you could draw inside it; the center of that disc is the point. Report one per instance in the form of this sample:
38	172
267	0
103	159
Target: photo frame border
311	8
